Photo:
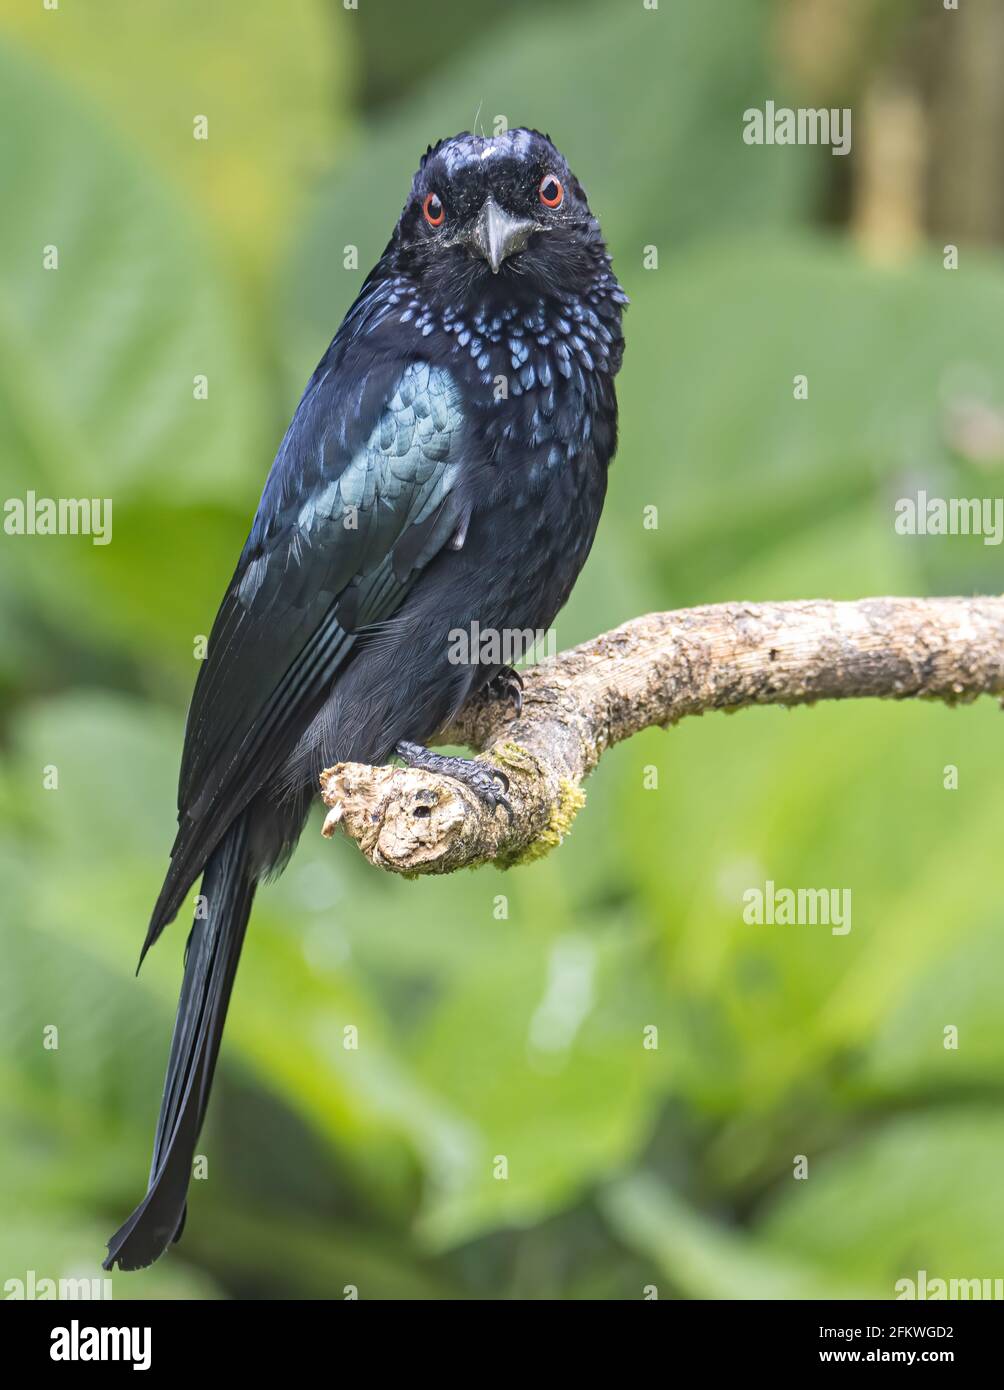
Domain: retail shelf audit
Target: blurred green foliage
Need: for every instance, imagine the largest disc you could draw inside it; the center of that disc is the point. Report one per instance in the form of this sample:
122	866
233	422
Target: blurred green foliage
482	1034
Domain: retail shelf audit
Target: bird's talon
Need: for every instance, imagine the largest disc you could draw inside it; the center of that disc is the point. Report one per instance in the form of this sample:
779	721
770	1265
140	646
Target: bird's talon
489	784
508	685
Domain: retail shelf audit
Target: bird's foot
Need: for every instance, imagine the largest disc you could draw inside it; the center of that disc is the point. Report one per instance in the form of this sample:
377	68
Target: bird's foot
508	685
488	783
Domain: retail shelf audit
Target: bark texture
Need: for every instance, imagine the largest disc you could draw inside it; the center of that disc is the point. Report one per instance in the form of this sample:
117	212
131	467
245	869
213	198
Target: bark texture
656	670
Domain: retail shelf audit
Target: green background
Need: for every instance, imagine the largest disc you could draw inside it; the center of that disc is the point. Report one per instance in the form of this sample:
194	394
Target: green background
513	1029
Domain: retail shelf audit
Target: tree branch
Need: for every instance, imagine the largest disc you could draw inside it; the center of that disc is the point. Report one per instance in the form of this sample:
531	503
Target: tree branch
657	670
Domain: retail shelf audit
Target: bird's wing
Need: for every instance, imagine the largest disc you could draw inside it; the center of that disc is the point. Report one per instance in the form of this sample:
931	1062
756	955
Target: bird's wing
343	529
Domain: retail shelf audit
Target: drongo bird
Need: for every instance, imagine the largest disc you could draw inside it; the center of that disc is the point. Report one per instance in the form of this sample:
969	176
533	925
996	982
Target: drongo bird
446	465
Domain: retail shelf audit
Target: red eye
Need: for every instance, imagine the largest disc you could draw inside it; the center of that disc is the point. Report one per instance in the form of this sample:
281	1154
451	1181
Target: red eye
551	192
434	211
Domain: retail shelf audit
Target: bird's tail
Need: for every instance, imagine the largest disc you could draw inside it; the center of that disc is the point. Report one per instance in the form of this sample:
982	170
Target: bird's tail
211	957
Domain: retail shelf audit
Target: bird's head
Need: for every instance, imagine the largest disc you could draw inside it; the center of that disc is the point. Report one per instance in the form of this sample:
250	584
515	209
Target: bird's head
494	215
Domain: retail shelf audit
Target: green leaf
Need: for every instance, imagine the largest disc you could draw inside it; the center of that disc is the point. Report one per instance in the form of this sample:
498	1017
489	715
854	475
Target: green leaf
273	91
713	436
558	1092
960	990
98	356
921	1192
97	362
703	1259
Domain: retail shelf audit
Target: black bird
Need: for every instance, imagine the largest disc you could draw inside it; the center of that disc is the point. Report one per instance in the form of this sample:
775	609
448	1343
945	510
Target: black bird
446	465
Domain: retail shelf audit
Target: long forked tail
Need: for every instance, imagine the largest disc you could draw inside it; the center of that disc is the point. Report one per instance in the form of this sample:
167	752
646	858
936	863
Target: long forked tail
211	956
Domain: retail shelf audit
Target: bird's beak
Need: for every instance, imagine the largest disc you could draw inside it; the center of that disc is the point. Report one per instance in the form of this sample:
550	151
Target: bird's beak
496	235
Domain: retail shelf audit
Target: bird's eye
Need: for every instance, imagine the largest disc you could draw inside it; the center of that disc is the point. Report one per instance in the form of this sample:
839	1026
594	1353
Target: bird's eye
433	209
551	192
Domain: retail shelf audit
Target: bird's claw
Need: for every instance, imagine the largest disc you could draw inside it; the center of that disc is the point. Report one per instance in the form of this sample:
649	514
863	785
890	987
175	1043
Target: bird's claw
482	779
507	684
